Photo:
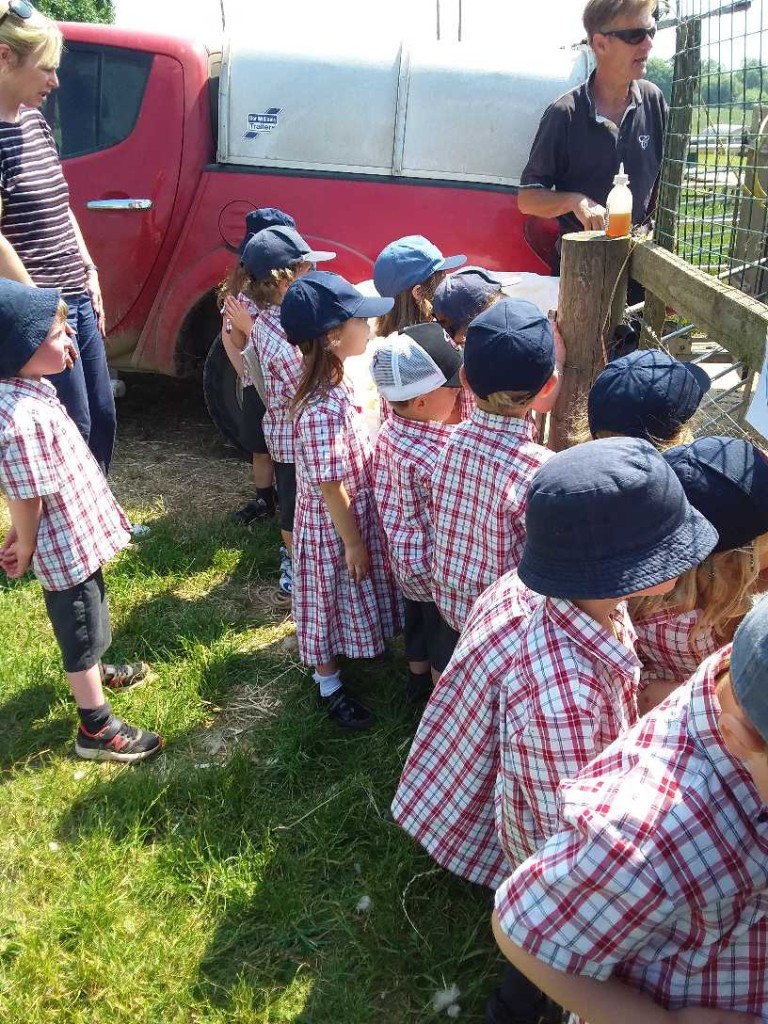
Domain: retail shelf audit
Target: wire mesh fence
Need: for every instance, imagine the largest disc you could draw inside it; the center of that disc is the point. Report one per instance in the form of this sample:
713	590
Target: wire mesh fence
713	197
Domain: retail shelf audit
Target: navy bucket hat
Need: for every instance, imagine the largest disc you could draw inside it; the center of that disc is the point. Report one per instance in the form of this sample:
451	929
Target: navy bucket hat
26	315
509	347
274	248
264	217
607	519
726	479
646	394
320	300
749	666
407	262
461	296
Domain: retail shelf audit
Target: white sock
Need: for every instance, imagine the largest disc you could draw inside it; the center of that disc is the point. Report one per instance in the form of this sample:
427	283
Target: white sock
328	684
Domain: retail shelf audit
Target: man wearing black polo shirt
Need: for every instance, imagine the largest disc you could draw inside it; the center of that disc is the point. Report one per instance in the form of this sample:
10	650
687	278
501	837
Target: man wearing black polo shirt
615	117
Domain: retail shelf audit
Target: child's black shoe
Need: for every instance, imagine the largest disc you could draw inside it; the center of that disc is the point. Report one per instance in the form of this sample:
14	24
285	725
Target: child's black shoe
117	741
418	687
346	712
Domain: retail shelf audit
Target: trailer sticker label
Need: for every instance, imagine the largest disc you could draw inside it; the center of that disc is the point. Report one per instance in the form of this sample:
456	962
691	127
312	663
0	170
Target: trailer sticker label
262	124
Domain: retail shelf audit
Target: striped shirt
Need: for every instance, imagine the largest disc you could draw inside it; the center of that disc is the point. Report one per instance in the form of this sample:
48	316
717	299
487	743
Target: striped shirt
35	197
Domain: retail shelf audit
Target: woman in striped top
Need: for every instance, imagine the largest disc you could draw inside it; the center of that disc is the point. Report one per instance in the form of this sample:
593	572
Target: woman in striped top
40	241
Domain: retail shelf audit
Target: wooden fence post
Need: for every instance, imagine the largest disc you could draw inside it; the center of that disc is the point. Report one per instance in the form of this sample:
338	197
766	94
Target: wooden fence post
750	244
593	295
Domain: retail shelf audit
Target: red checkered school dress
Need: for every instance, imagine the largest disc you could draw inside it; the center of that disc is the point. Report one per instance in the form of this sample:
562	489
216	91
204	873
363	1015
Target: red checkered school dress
668	648
445	799
333	614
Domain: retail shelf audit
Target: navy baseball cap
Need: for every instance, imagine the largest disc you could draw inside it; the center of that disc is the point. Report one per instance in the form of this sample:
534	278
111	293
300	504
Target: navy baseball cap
749	666
726	479
409	261
607	519
264	217
320	300
26	315
646	394
460	297
278	247
509	347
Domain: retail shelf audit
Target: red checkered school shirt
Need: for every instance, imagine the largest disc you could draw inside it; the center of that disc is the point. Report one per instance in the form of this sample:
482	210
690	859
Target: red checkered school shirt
479	490
570	690
403	461
668	649
659	872
281	366
42	455
445	799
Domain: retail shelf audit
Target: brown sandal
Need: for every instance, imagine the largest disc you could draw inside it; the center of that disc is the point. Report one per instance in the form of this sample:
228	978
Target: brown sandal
124	677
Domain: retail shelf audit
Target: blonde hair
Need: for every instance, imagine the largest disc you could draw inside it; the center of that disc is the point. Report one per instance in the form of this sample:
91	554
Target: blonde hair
506	403
598	14
579	431
264	291
408	310
24	36
721	589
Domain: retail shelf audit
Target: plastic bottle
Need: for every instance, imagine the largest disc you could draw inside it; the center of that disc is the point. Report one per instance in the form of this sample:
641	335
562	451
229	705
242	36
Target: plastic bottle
619	206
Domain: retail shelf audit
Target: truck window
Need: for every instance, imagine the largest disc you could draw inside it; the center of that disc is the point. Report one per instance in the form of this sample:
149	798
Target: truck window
99	98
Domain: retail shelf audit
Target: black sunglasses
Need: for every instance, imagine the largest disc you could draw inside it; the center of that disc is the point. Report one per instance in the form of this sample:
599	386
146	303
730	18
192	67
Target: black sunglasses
19	9
631	36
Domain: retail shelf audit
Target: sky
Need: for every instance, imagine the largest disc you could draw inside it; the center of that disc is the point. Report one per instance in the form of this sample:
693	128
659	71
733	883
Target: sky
498	23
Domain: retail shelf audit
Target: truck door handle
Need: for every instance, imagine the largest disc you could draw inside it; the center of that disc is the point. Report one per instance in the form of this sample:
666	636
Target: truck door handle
119	204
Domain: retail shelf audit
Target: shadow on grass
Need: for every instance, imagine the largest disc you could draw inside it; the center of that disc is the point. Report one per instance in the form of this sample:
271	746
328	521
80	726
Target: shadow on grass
26	732
279	845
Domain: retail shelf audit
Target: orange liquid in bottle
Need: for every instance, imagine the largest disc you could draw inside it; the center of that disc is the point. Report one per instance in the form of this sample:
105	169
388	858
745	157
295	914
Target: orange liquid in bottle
619	224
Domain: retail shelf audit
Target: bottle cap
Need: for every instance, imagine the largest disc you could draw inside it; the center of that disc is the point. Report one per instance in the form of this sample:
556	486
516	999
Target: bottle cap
621	178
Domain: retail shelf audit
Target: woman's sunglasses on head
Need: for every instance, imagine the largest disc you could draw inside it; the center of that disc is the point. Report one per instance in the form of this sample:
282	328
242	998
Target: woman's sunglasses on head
19	9
631	36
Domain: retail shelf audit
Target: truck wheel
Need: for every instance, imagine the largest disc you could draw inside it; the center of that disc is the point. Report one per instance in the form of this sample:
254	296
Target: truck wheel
223	393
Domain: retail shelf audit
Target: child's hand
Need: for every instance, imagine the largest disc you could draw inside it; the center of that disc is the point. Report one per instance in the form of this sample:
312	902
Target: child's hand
356	557
71	355
238	315
14	558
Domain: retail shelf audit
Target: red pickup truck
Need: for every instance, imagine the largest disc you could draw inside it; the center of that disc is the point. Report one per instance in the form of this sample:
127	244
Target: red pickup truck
166	145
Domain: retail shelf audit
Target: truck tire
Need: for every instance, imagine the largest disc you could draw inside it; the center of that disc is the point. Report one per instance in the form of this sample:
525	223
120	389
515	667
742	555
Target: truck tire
223	393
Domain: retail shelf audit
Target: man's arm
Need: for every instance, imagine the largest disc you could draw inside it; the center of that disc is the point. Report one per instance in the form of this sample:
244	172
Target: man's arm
605	1002
543	202
20	545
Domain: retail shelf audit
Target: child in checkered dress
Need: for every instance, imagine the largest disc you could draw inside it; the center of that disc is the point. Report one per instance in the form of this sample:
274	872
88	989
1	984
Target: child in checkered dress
606	521
481	478
649	900
64	520
726	479
275	257
408	271
417	372
344	599
238	311
462	296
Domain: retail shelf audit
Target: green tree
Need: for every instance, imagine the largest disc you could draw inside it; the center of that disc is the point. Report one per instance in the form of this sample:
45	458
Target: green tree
660	72
77	10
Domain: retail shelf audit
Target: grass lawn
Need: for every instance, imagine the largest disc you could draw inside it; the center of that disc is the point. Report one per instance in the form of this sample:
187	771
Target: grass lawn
219	882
